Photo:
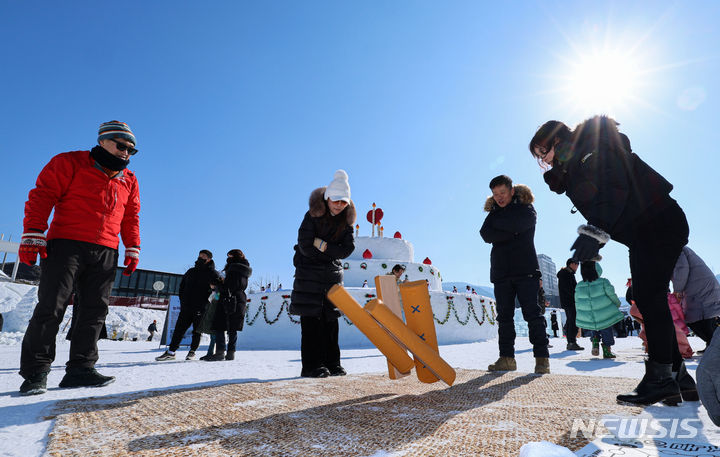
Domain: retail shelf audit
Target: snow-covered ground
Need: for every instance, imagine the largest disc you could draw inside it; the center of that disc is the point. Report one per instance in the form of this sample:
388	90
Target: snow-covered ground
24	428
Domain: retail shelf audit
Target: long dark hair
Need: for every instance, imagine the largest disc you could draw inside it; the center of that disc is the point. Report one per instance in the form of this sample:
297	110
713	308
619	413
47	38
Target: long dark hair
337	223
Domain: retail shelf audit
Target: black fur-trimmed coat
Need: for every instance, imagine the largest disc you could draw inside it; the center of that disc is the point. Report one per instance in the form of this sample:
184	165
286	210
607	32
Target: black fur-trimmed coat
511	231
315	271
230	312
610	185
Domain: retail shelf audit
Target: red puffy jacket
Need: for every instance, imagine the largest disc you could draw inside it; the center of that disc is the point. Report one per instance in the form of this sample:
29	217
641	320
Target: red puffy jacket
89	205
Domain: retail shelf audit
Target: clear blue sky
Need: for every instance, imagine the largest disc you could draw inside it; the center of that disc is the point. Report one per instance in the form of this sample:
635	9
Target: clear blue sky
242	108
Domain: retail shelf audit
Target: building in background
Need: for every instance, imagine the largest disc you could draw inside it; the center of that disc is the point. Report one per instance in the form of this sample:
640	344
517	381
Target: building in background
549	277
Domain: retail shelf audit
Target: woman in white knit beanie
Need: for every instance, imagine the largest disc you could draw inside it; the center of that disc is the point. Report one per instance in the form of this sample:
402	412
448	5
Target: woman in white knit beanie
325	236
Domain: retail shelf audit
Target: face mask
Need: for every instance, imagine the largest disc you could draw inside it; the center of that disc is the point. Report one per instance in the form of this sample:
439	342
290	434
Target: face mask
200	262
107	160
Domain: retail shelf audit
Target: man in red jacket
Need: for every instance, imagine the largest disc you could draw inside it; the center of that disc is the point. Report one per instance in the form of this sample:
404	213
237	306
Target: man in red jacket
95	198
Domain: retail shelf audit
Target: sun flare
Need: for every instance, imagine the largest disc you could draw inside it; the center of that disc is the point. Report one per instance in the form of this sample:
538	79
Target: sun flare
603	82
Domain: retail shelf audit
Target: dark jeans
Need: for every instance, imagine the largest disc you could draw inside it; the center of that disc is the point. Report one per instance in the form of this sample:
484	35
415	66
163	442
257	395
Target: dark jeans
606	335
186	318
653	255
526	290
319	343
220	341
91	269
571	329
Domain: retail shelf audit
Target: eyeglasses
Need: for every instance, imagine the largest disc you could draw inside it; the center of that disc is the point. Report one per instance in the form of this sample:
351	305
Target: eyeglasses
124	147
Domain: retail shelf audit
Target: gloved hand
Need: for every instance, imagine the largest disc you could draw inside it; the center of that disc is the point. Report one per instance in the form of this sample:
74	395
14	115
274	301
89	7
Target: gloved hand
32	244
320	244
586	248
132	257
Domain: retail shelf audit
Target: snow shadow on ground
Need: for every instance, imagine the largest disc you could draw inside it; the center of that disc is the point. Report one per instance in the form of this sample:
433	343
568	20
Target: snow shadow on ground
375	430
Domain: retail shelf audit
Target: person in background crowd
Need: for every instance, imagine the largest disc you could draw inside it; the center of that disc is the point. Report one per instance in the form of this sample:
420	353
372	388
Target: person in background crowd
597	308
698	290
152	328
325	236
397	271
514	271
624	199
194	294
94	198
566	288
554	323
230	312
454	289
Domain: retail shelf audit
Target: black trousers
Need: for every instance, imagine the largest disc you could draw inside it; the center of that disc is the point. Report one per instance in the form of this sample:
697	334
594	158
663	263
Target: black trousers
220	340
571	328
319	343
653	255
526	290
186	318
91	269
705	328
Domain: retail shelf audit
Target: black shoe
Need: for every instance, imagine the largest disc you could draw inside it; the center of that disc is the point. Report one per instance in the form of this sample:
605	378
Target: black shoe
320	372
337	371
230	355
688	389
206	356
574	347
190	355
165	356
34	385
657	385
217	357
85	377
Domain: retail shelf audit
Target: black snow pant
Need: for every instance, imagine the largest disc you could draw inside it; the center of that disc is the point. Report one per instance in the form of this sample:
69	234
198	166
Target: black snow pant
91	269
220	340
526	290
571	328
319	343
187	317
653	254
705	328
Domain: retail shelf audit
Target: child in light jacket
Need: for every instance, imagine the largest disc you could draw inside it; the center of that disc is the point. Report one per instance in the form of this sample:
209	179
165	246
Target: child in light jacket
597	307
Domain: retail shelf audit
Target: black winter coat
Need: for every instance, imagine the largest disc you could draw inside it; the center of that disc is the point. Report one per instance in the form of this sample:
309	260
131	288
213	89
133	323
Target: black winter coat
195	286
608	183
316	272
231	307
511	230
566	287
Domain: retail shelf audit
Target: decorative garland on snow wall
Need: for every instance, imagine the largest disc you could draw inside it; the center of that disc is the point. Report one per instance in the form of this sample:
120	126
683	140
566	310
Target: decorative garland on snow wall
471	311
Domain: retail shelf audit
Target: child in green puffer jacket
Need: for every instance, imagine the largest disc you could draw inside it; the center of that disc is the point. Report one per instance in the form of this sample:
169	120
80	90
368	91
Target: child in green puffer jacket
597	307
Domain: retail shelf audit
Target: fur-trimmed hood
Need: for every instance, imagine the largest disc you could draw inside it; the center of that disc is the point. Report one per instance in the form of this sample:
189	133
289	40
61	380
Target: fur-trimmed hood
523	195
318	206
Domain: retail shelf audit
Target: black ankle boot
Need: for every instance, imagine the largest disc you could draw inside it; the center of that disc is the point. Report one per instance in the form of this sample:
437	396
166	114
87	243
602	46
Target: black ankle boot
657	385
688	389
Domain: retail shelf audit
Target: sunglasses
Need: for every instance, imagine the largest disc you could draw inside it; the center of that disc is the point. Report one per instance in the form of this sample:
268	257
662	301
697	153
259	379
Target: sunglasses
124	147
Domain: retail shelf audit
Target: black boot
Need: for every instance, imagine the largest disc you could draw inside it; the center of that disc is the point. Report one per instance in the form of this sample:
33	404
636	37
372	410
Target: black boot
657	385
84	377
688	389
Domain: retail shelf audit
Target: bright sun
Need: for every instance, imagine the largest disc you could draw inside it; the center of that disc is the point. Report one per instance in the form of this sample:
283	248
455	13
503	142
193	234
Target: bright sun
603	82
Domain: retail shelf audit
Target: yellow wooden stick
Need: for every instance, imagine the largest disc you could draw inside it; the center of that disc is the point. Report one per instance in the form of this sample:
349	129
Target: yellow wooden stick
366	324
388	292
422	352
419	317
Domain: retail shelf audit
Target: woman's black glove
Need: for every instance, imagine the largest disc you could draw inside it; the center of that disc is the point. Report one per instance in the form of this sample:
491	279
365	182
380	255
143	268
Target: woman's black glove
588	243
